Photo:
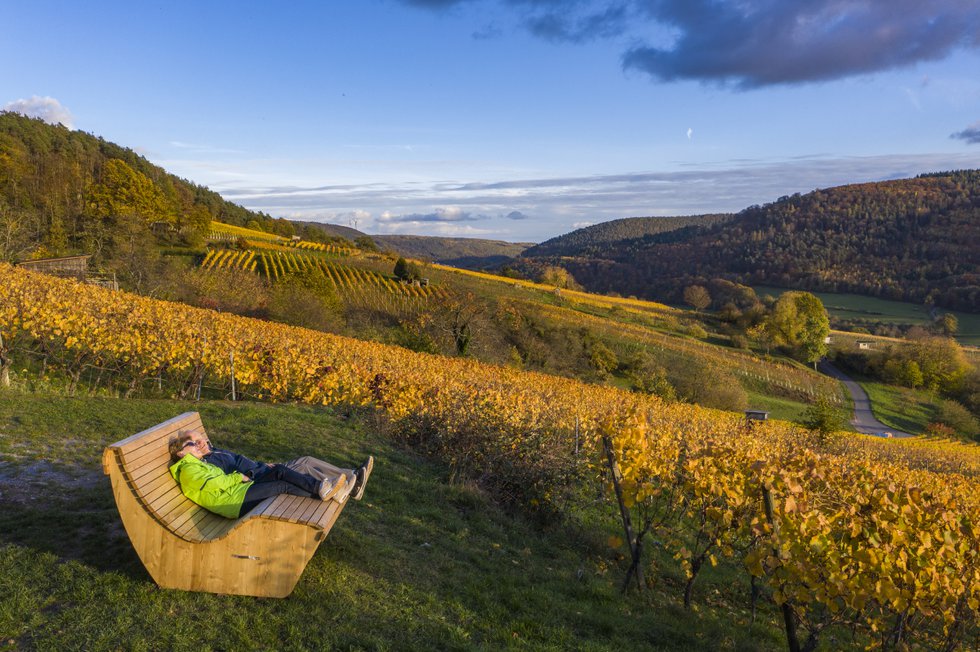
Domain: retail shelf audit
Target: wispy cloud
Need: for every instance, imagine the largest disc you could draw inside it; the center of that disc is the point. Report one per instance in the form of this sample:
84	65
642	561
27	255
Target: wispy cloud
754	43
46	108
449	214
539	208
605	22
970	135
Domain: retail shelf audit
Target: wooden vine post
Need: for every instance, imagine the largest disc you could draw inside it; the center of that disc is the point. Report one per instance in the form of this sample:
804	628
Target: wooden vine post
4	364
636	569
233	375
789	618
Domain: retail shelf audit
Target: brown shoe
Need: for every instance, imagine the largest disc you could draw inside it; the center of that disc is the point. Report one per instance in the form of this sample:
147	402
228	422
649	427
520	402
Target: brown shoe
328	491
362	473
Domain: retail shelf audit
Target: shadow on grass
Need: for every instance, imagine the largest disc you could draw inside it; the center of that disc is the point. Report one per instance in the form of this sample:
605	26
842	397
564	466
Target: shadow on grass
80	524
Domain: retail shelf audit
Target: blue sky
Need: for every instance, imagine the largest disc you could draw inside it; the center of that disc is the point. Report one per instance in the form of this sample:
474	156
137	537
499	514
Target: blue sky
508	119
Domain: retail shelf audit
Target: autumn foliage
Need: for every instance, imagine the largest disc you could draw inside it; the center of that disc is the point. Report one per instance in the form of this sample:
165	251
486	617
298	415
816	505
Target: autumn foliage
879	536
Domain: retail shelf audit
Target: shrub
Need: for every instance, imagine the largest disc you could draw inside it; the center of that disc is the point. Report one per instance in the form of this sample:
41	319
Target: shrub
228	290
957	417
602	358
714	388
936	429
739	341
697	331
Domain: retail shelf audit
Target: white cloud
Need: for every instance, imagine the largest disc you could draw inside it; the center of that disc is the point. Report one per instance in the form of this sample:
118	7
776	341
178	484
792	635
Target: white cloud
46	108
690	132
557	204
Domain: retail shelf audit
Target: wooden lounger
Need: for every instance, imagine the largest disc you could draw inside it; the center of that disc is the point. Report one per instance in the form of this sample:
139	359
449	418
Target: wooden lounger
184	546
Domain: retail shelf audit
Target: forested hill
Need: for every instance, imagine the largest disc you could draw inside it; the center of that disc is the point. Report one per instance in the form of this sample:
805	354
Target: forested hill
596	238
912	239
468	253
64	191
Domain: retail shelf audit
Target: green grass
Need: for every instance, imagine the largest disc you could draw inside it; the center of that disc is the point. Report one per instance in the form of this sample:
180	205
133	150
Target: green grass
419	564
871	309
778	407
901	408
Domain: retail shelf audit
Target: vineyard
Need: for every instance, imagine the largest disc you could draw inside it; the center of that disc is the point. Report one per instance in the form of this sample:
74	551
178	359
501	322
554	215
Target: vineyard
636	306
227	232
647	324
776	378
346	279
848	536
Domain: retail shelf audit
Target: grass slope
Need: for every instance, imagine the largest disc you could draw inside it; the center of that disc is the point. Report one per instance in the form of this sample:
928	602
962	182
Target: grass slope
901	408
418	564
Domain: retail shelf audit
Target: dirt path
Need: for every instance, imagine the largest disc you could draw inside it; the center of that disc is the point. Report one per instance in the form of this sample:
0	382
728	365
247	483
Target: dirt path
864	420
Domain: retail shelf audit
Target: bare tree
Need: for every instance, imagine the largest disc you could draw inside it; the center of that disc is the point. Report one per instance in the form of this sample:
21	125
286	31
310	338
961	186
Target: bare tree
15	233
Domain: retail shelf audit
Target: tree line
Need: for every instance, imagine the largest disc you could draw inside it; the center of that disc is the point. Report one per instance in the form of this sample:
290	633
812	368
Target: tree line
65	192
910	240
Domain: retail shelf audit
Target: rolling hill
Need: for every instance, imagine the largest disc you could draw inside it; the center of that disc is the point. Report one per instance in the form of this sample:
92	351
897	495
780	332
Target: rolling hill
597	237
912	239
468	253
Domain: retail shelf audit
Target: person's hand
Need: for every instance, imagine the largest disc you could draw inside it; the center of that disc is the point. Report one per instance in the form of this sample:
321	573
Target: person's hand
245	478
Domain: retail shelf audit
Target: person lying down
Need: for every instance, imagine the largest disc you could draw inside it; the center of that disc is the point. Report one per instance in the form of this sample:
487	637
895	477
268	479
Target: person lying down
231	485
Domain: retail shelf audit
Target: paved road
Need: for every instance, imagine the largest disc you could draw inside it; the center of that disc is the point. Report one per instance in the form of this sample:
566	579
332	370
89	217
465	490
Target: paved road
863	420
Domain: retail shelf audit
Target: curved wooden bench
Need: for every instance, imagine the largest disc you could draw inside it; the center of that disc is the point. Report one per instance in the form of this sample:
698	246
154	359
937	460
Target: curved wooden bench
184	546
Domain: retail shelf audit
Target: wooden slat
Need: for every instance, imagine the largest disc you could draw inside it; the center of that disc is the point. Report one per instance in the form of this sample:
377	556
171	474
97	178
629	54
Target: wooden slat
180	513
260	509
163	498
169	511
149	482
158	440
266	508
328	517
297	508
177	422
309	511
283	507
152	458
158	485
217	528
192	524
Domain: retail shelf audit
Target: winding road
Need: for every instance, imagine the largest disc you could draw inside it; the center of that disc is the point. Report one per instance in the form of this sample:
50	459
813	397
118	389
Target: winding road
864	419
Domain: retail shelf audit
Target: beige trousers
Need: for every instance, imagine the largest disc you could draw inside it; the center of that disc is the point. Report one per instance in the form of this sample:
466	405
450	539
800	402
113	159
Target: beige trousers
324	471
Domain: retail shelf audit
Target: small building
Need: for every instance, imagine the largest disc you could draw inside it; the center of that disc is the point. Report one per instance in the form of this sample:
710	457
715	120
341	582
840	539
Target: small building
71	267
163	228
66	266
865	345
756	415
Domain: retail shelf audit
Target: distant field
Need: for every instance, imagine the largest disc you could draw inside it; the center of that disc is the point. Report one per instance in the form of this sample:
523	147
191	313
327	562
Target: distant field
871	309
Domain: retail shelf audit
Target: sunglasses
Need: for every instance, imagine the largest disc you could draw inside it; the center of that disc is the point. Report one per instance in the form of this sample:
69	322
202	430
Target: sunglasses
190	443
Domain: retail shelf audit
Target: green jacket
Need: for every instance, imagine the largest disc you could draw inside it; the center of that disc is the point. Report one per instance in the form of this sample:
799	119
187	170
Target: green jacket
209	486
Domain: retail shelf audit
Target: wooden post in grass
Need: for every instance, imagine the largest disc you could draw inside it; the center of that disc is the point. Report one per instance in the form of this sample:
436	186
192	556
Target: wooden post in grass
233	375
4	365
789	618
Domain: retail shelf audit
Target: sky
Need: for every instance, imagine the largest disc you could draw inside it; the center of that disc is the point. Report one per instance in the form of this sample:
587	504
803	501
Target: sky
514	120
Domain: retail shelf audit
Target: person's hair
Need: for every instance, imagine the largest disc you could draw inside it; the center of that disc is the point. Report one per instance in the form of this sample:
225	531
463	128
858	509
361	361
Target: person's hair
176	444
